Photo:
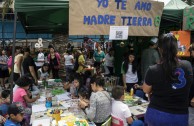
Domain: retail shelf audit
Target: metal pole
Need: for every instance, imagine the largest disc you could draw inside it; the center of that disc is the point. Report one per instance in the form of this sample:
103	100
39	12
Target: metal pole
13	54
3	30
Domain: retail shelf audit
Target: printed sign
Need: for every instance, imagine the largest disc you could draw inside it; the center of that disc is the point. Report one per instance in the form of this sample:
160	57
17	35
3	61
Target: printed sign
94	17
118	33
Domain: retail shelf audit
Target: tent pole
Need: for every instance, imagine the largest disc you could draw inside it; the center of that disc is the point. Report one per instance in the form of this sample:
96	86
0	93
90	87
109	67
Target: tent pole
13	55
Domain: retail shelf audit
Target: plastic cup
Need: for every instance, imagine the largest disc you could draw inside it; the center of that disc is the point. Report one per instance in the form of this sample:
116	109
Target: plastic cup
70	123
57	117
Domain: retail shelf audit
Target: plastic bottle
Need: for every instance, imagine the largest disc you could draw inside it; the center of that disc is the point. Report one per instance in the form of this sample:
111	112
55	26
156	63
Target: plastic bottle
44	82
72	90
45	59
131	92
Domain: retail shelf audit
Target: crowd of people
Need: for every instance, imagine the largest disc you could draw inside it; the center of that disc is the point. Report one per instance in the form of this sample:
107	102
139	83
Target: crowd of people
167	81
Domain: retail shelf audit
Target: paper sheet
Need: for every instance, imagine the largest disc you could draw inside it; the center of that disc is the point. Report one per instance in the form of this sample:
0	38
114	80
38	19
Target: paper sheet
42	99
38	108
42	122
65	105
63	97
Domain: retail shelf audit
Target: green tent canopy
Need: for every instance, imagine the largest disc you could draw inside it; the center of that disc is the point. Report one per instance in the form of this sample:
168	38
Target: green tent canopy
173	11
43	16
172	16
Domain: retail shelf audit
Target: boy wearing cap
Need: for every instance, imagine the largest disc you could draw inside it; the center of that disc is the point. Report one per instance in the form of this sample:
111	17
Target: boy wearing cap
16	115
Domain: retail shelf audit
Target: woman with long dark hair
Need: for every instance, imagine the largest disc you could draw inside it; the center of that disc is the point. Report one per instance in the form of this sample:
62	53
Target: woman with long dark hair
129	72
168	84
54	61
99	108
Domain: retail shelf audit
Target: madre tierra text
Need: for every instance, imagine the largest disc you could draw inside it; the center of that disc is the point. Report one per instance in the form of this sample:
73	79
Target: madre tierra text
126	20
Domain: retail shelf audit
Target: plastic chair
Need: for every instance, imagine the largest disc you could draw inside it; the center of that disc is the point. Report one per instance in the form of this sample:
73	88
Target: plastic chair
117	121
108	122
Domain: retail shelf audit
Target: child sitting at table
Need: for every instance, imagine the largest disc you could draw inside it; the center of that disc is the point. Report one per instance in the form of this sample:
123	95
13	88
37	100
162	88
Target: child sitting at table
32	87
15	115
22	93
121	110
84	95
5	101
87	78
44	72
74	87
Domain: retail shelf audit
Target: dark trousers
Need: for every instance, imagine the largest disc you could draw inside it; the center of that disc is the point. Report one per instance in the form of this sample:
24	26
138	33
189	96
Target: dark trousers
55	73
97	64
110	70
154	117
16	76
98	124
129	86
68	71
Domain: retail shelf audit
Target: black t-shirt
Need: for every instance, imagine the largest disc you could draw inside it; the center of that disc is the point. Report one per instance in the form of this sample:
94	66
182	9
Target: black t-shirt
170	96
28	61
191	94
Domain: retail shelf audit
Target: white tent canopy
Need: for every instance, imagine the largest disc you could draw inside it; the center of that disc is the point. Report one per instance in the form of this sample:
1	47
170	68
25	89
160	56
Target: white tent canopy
165	1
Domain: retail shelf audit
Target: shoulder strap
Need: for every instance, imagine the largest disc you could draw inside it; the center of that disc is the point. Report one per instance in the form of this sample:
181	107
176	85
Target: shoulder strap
107	96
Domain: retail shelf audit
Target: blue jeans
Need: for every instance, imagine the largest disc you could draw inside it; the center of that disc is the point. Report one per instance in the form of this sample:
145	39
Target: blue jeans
68	71
137	123
154	117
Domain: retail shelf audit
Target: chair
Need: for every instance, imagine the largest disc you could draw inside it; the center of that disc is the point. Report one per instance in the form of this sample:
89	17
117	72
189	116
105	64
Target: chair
108	122
117	121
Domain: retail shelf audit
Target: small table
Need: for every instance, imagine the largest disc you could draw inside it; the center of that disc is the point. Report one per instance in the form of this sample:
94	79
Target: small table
139	110
137	105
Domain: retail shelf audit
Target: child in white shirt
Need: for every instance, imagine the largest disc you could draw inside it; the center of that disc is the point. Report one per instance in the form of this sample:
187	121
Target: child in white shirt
121	110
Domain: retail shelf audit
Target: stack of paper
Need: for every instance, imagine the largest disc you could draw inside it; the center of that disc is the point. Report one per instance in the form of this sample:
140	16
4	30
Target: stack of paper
63	97
38	108
41	122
